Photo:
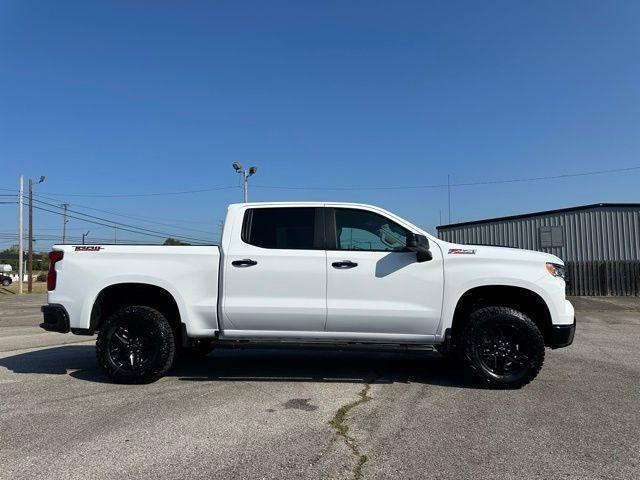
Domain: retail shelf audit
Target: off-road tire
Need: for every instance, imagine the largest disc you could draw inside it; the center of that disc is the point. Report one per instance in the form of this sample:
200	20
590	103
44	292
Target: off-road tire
523	351
6	282
149	335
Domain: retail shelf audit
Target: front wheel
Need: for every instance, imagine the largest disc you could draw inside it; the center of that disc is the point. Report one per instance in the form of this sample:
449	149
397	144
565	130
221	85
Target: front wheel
135	345
6	282
502	347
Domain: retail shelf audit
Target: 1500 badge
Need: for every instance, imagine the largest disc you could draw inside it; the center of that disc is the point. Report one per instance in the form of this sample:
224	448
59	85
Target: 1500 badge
87	248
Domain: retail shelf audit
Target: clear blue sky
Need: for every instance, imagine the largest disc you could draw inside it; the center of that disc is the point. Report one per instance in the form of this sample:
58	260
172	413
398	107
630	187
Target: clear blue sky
136	97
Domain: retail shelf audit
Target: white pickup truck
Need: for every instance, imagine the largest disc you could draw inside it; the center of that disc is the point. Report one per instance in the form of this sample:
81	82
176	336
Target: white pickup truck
333	274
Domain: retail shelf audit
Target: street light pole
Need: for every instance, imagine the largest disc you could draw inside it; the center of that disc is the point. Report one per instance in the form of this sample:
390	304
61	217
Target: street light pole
245	185
245	178
84	235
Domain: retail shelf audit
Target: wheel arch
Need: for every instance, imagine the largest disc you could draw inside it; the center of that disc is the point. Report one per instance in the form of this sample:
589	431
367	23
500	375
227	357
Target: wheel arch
522	299
119	295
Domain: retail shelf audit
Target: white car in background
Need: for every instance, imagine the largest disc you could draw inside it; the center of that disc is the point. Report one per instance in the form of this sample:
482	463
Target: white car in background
5	277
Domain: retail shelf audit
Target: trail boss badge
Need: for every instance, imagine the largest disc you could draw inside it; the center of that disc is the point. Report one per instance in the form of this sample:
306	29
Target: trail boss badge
461	251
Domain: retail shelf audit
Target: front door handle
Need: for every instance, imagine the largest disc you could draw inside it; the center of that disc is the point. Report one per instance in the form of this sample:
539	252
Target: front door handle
245	262
344	264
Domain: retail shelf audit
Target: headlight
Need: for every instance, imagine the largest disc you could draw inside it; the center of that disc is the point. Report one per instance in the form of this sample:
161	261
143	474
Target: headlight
556	270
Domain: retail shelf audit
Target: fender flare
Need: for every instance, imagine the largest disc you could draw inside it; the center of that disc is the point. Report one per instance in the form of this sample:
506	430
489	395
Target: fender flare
87	306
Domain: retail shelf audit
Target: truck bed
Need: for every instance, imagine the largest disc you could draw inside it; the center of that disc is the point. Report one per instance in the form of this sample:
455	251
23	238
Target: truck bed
189	273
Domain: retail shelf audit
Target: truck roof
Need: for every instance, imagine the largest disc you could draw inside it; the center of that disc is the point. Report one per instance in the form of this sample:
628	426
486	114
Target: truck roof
302	204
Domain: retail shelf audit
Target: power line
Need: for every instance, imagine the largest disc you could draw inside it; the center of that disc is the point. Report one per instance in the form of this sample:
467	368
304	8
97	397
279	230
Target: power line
130	195
445	185
363	187
119	223
111	224
78	239
137	217
120	214
548	177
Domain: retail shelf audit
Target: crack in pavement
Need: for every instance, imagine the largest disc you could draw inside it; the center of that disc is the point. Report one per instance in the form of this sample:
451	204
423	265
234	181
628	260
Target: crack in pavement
342	430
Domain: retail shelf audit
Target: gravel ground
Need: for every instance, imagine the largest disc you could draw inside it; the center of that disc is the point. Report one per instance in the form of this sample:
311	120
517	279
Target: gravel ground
316	414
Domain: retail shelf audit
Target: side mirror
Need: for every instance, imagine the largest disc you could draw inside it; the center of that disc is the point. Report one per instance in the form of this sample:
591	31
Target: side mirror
419	244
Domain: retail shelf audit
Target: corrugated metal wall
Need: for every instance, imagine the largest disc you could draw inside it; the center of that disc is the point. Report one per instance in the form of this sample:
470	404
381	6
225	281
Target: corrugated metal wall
601	233
598	234
614	277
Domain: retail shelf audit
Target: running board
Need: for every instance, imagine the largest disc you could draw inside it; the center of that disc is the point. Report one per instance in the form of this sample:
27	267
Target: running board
298	345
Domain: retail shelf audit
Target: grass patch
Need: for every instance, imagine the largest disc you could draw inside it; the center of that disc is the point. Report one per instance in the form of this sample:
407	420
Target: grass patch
38	287
341	428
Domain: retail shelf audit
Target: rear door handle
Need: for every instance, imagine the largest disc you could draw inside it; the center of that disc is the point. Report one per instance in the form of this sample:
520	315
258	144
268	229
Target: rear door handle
245	262
344	264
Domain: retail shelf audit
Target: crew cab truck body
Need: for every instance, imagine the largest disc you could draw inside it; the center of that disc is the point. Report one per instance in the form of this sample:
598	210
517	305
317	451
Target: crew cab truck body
336	274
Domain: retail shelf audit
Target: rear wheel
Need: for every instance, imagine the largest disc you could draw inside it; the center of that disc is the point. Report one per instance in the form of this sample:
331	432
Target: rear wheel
6	282
135	345
502	347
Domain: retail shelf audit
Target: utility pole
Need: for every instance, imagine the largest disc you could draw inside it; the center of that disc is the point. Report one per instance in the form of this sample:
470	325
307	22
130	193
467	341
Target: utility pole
84	235
245	178
20	245
64	223
115	234
30	246
221	227
449	195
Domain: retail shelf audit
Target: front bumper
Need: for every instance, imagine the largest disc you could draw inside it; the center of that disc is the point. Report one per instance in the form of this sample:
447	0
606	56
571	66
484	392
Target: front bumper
56	318
562	335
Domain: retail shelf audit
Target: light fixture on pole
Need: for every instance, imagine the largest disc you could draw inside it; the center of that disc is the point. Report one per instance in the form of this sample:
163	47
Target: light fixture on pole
245	178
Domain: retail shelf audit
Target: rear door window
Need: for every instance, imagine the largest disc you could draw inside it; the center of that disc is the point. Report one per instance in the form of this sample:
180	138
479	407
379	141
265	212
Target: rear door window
281	228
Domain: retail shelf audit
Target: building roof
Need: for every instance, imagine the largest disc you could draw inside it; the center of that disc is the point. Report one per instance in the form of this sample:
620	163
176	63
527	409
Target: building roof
536	214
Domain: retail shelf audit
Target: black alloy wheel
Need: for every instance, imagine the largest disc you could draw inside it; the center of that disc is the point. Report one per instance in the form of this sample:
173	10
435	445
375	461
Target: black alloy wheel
502	347
135	345
502	350
131	347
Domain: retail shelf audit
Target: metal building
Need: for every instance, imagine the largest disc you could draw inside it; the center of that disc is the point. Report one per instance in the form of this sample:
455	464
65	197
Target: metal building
599	243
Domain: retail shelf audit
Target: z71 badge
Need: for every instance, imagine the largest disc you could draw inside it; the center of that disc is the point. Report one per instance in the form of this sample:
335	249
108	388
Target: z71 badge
461	251
87	248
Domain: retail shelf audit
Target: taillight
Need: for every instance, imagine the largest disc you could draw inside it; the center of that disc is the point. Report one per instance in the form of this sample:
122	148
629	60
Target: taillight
52	276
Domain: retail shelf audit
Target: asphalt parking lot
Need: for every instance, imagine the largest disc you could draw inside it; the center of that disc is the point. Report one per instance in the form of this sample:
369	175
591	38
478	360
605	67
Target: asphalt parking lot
315	414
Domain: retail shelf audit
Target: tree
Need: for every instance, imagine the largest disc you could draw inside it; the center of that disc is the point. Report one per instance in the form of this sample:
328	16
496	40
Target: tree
10	256
13	249
173	241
